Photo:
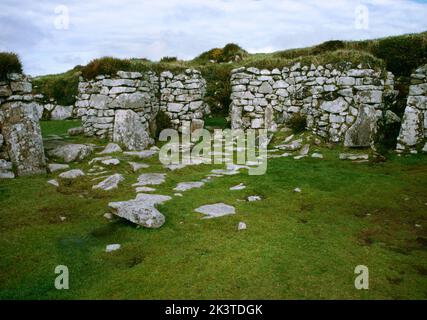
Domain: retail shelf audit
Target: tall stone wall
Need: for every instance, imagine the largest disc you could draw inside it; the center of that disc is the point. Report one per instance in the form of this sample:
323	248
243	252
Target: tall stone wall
21	143
340	104
102	101
413	132
99	100
181	98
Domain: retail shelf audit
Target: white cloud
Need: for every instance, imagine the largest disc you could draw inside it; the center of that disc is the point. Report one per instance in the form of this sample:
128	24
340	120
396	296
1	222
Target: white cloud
185	28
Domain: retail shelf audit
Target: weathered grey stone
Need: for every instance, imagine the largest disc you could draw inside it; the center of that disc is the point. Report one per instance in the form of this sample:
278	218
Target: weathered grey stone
21	130
184	186
353	156
141	154
71	152
129	132
337	106
110	183
111	148
75	131
150	179
137	166
361	133
216	210
62	112
141	210
112	247
240	186
53	167
72	174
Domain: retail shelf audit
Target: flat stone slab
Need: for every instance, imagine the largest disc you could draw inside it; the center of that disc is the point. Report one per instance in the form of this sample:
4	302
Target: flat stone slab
184	186
72	174
111	148
152	199
216	210
141	154
317	155
141	211
137	166
240	186
353	156
53	167
150	179
111	162
110	183
144	189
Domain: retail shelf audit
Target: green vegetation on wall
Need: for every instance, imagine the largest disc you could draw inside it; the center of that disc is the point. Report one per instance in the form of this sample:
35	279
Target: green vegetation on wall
9	63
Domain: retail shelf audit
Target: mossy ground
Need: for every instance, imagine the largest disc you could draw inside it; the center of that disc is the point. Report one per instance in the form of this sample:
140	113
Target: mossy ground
297	245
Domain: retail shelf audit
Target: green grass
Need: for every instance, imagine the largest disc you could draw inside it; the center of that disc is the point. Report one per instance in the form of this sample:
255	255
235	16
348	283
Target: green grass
58	127
297	245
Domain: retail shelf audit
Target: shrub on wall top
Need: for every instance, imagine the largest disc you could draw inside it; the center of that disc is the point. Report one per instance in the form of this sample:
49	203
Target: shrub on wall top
9	63
105	66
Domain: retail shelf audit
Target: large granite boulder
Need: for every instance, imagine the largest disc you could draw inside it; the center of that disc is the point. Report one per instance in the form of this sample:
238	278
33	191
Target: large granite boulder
21	131
129	131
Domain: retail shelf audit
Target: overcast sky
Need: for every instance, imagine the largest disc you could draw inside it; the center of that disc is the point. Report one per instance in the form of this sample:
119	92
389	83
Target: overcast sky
54	36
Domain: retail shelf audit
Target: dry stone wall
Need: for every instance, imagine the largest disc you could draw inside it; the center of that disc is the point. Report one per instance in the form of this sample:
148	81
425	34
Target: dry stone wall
106	104
21	143
413	132
340	104
101	99
181	98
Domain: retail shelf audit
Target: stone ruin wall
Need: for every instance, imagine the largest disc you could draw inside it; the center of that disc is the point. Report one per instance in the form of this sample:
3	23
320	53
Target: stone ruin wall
413	132
21	143
99	101
340	105
181	98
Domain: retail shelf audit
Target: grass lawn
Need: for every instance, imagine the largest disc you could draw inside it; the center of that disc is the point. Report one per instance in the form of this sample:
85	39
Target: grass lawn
297	245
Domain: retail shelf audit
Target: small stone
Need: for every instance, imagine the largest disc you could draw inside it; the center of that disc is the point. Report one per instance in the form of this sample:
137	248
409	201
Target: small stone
53	167
72	174
108	216
137	166
241	226
111	162
75	131
240	186
62	218
216	210
112	247
53	182
111	148
254	198
178	194
297	190
317	155
352	156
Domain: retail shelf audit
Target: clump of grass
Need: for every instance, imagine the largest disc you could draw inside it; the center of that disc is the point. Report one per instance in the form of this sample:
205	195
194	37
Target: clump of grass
105	66
230	53
9	63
